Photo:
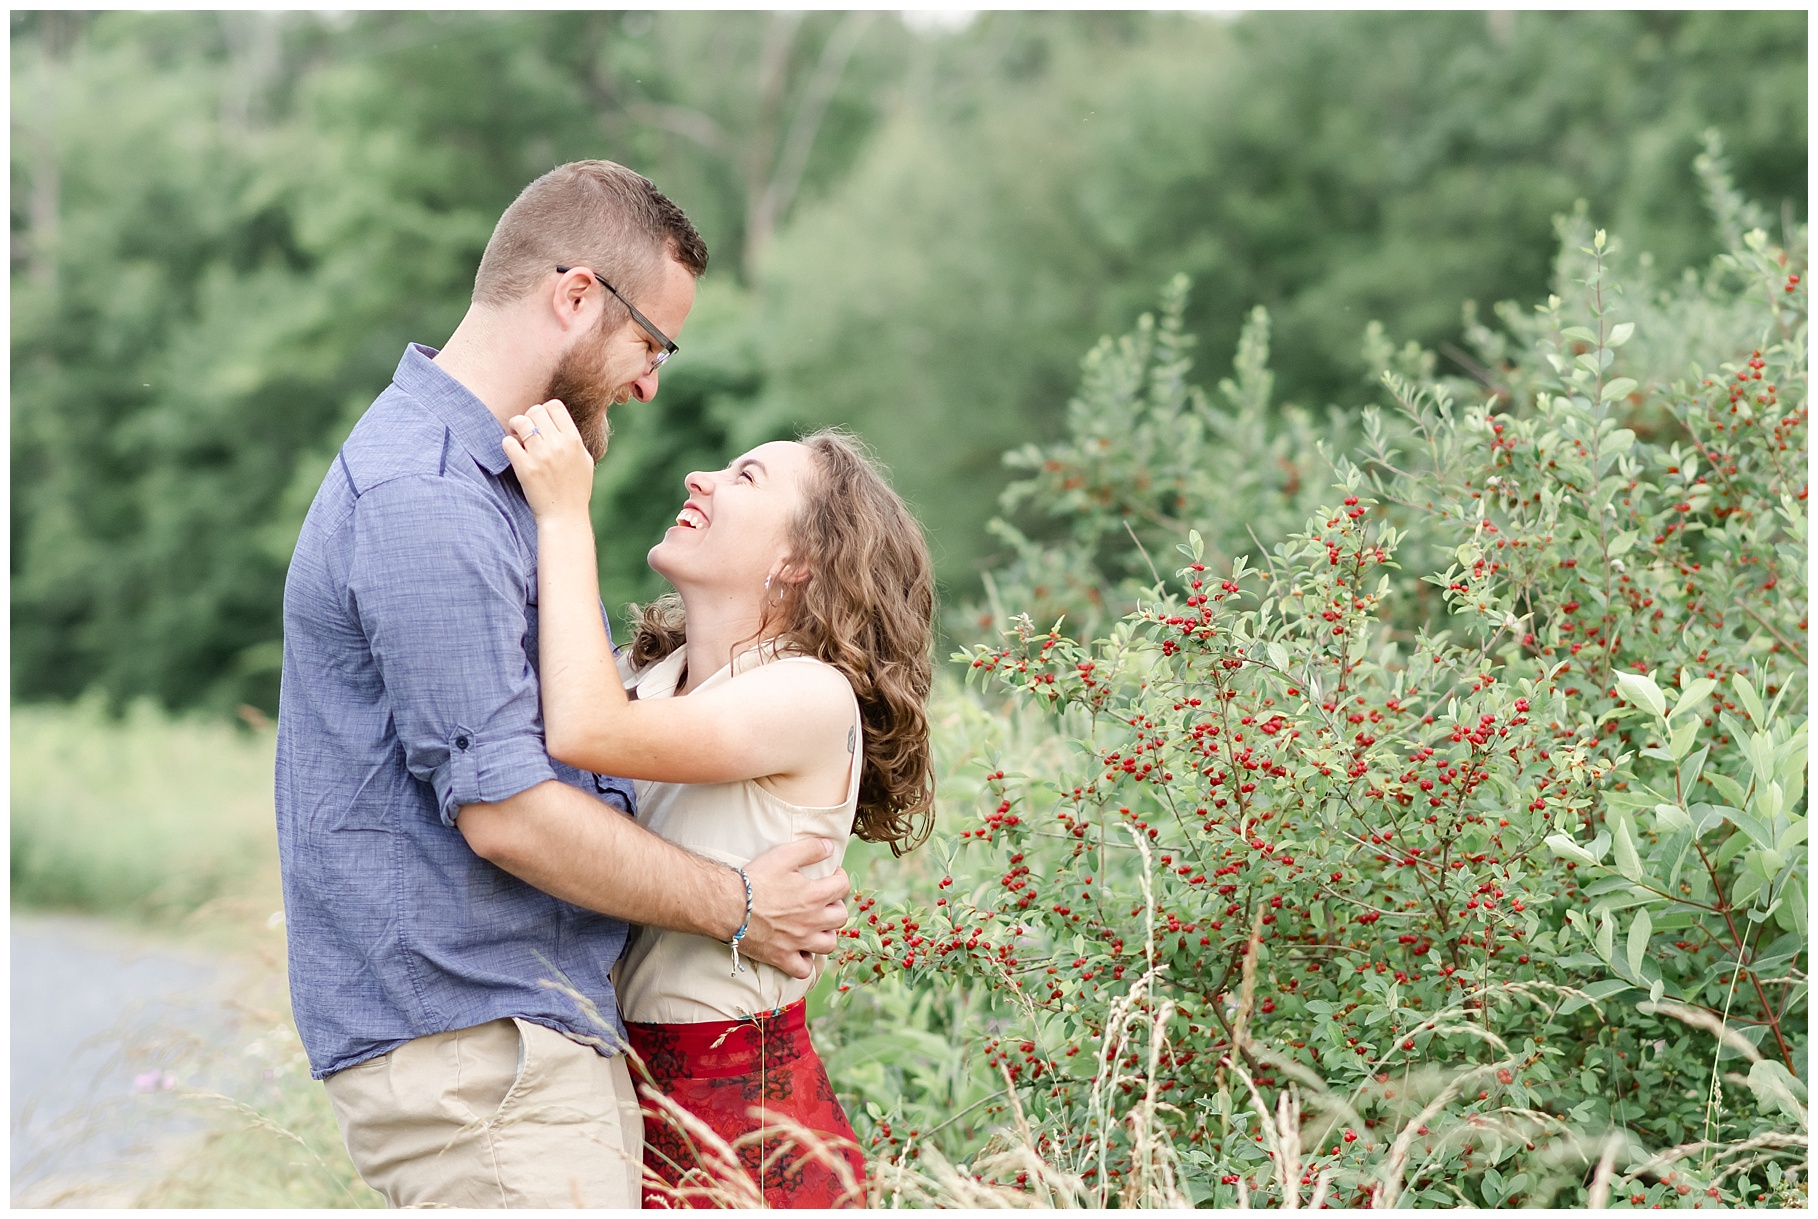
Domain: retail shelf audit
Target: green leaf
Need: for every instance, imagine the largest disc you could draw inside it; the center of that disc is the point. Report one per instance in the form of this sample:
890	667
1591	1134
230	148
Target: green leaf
1565	848
1728	788
1751	701
1774	1086
1671	819
1579	334
1606	935
1733	845
1734	726
1640	690
1694	695
1623	542
1639	932
1619	388
1771	800
1628	862
1620	334
1598	990
1791	766
1751	825
1793	912
1685	734
1761	757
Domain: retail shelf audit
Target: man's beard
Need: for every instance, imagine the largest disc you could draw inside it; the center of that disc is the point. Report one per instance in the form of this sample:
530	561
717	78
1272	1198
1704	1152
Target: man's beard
581	383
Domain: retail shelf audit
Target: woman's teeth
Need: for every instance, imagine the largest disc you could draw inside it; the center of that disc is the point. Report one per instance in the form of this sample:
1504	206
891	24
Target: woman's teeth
691	519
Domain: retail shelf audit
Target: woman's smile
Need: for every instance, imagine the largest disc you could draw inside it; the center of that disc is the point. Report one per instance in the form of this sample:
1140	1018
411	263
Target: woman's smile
747	507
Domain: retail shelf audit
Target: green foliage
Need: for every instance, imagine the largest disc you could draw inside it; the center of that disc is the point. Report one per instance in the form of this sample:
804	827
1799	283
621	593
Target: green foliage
230	225
145	815
1387	819
227	225
1332	167
1145	454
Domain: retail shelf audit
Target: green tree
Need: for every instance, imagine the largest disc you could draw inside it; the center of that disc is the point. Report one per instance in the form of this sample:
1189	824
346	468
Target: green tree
227	227
1331	167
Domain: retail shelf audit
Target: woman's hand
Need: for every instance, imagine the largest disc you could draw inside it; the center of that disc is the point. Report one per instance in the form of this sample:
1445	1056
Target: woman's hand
552	463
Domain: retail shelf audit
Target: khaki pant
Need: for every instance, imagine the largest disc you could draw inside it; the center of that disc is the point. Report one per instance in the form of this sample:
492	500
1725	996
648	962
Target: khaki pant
505	1114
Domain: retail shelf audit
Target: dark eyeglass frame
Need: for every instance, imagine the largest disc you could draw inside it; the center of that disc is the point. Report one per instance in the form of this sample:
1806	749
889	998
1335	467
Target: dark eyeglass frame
668	344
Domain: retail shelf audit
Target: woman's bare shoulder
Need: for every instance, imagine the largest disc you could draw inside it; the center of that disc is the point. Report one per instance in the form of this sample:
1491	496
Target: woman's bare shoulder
799	678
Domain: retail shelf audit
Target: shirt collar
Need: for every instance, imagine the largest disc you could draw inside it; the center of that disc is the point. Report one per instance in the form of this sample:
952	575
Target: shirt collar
455	405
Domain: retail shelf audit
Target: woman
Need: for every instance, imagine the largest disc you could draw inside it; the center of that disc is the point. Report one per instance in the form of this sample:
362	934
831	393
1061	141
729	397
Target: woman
779	692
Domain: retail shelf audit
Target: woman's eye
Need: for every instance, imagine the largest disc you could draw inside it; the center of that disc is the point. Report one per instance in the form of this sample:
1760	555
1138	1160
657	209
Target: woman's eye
746	475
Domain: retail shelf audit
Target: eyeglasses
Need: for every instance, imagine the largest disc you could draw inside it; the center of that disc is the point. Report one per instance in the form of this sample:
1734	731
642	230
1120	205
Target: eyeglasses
669	347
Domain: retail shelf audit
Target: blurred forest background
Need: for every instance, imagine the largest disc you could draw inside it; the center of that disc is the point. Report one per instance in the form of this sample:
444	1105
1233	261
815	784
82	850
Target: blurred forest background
226	226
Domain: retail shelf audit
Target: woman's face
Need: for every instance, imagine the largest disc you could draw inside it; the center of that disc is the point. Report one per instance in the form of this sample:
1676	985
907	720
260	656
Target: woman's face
733	532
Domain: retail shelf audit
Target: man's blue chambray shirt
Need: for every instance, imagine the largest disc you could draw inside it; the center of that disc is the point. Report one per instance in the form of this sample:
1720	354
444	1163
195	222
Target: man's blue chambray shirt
410	689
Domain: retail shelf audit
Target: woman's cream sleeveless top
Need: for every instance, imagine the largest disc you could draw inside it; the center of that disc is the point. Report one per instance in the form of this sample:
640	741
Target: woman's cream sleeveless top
668	977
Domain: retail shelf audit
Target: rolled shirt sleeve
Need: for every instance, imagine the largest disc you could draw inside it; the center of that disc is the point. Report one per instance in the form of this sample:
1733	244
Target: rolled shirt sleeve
440	584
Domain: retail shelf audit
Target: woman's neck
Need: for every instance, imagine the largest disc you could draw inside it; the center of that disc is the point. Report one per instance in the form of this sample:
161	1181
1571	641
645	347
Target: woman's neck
716	629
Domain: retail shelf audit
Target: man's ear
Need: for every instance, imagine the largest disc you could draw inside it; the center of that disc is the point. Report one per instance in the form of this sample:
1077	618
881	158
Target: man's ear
574	298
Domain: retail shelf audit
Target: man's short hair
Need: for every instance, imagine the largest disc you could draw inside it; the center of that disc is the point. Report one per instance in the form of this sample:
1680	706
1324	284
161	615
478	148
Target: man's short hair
593	214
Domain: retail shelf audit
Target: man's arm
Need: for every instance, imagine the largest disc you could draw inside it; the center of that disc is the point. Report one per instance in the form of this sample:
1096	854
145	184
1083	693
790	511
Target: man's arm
572	846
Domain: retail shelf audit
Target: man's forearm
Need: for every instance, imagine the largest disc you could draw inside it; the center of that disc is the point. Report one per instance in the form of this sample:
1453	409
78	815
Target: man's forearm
569	845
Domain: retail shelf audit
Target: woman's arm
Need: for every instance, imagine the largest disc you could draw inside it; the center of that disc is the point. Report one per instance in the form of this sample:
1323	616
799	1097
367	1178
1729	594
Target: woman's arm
726	733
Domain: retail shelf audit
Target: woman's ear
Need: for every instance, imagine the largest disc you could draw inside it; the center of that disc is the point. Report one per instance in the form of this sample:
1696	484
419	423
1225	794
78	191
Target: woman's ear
783	577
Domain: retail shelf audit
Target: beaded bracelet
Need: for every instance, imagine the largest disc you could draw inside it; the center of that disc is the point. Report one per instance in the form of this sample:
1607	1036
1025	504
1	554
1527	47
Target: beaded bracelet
738	935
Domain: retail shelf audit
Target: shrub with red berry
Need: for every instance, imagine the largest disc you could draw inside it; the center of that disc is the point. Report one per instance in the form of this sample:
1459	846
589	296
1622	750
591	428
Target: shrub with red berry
1448	797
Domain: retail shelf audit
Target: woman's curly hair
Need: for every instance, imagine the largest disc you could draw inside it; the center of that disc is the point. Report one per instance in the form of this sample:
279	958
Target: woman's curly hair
867	609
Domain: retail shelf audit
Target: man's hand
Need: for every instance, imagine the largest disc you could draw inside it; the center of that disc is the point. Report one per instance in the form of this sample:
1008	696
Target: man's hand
793	917
574	847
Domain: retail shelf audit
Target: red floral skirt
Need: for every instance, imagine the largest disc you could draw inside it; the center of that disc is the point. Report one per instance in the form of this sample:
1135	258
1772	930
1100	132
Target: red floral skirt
759	1086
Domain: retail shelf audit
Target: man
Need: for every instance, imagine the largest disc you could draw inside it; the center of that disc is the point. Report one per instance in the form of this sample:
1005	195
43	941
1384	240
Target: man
449	888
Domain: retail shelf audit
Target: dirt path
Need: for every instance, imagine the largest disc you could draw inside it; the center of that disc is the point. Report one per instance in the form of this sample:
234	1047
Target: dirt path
100	1017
